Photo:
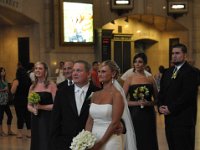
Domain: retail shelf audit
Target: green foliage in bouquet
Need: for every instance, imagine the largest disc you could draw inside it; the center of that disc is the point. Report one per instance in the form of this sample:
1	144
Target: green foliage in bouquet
141	92
34	98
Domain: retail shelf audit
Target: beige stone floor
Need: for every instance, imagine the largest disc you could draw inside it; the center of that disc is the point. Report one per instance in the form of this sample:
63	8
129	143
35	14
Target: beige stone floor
12	143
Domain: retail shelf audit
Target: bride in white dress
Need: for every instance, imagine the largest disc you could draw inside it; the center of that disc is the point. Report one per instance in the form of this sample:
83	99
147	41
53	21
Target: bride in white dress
107	108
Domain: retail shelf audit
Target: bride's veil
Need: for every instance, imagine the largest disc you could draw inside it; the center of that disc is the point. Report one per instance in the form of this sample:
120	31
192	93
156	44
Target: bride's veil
130	140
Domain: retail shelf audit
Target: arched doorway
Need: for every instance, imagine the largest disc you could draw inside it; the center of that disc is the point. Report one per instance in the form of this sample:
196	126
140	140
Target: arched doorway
150	33
16	33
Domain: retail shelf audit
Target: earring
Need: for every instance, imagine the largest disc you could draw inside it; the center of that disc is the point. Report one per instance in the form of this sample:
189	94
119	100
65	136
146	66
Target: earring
112	81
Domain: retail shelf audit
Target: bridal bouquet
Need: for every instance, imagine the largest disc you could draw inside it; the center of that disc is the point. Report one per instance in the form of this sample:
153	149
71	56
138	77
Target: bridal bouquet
140	93
84	140
34	99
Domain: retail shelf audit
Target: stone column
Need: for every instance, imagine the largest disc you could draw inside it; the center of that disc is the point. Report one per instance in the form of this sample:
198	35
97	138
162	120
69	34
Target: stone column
196	32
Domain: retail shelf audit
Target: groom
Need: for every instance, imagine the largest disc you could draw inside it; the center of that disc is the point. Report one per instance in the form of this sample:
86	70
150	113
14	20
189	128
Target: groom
69	115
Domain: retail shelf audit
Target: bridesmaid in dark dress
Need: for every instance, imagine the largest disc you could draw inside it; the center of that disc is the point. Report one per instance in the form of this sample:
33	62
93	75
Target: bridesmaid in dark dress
141	89
41	114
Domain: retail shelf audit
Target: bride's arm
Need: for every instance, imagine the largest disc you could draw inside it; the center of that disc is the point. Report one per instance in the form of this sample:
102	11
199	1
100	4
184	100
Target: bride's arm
117	111
89	124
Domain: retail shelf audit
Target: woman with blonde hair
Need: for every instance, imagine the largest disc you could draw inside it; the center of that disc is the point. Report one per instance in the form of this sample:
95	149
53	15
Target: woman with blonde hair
41	114
107	108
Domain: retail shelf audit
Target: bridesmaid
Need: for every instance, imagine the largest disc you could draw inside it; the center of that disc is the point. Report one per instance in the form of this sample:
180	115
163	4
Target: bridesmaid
142	107
40	122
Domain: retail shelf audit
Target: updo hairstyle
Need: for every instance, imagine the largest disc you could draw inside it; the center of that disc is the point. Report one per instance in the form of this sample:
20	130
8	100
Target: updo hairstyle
113	67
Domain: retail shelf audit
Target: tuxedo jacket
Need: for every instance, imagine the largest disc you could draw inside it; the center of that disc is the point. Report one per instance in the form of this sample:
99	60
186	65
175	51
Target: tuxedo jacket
63	84
180	95
65	121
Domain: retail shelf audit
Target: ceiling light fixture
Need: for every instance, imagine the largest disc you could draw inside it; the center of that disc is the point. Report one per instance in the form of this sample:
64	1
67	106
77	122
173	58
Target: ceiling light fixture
122	2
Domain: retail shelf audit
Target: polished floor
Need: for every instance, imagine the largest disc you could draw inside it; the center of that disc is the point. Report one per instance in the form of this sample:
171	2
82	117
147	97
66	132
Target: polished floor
12	143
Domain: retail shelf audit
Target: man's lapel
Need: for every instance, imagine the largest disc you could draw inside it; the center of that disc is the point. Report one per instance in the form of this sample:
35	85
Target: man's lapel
169	79
86	101
72	100
174	80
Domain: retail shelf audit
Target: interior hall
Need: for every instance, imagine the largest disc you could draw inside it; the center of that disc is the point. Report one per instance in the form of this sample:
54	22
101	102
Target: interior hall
49	31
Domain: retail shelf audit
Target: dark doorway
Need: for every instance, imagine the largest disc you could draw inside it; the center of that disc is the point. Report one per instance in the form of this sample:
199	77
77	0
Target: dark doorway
23	51
122	54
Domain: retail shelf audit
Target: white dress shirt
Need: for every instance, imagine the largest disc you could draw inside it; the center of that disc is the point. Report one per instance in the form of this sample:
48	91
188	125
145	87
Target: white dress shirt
80	94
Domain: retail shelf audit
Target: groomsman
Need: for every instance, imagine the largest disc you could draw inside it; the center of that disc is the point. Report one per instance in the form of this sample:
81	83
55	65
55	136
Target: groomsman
69	114
67	72
177	100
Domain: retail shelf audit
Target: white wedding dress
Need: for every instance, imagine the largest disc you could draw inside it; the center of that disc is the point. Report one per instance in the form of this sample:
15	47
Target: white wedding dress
102	116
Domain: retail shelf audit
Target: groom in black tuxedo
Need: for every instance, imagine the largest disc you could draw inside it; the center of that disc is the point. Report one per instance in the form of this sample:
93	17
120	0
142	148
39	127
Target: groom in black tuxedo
68	118
177	100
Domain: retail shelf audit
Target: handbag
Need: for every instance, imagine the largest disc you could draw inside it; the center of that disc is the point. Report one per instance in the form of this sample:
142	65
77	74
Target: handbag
3	98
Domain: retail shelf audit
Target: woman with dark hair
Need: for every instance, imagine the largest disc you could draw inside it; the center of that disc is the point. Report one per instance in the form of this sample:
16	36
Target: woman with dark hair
4	107
142	89
41	114
20	88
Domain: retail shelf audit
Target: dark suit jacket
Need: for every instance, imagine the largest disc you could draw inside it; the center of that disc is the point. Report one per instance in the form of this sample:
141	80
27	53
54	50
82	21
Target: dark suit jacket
63	84
66	123
180	95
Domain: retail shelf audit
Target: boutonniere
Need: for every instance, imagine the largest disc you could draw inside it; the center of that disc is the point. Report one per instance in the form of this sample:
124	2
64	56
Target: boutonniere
174	75
90	96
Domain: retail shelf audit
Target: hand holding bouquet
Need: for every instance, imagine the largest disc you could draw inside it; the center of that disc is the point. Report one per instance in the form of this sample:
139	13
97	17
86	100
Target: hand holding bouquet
84	140
34	99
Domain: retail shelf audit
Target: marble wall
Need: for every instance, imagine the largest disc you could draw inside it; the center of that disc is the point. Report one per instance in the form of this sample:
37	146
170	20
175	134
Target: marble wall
45	37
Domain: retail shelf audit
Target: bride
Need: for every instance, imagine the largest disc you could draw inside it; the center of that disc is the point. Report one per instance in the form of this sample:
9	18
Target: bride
107	108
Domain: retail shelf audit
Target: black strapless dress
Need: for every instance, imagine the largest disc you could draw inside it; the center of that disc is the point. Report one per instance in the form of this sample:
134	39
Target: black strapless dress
144	121
40	124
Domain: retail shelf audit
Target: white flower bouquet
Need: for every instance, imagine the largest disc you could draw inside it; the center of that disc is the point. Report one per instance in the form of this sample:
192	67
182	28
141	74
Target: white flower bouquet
84	140
34	99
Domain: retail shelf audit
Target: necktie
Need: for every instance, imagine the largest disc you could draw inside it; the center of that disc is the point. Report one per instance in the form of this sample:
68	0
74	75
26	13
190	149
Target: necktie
175	69
81	97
